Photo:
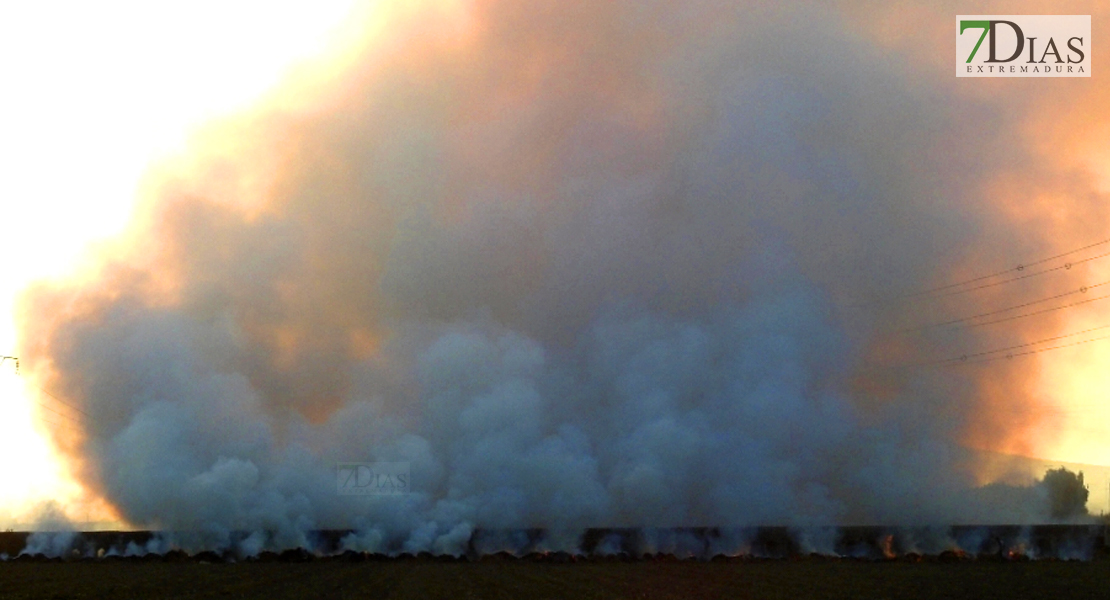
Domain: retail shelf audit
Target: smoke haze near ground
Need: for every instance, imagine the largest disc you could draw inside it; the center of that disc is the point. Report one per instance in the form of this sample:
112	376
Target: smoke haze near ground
580	264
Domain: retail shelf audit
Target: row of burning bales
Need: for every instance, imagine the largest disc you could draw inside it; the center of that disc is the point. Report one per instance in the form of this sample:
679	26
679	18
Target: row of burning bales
914	544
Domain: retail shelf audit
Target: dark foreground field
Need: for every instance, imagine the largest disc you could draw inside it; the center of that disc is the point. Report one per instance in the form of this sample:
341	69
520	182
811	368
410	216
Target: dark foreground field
806	578
1004	562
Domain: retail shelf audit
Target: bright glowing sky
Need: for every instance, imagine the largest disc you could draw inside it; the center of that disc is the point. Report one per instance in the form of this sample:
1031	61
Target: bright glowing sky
94	92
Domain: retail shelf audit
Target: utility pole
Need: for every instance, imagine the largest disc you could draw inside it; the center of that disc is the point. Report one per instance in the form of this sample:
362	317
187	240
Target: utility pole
13	358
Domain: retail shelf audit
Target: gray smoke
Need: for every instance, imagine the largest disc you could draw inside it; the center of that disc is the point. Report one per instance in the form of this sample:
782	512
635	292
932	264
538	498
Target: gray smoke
584	264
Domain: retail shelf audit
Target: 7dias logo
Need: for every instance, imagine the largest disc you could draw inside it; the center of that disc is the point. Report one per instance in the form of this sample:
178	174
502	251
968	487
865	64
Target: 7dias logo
1023	46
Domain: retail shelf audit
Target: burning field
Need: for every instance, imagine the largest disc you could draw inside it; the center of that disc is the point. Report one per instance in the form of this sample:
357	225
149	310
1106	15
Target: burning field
979	562
907	544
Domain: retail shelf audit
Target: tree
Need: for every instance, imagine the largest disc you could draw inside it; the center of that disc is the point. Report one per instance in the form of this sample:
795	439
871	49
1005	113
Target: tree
1067	496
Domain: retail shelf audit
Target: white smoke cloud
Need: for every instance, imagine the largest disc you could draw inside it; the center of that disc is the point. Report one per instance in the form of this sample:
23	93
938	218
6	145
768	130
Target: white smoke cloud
588	276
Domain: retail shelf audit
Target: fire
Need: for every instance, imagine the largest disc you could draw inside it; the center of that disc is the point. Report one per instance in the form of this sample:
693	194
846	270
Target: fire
887	545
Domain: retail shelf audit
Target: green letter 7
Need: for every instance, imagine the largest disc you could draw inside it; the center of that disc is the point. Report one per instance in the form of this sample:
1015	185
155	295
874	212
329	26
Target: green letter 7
985	25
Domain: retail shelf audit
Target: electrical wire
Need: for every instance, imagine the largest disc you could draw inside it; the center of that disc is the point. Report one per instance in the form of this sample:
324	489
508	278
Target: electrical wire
59	400
1040	312
953	289
987	355
966	320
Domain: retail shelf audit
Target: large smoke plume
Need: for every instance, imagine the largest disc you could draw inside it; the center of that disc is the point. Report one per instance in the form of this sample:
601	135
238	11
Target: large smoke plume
580	264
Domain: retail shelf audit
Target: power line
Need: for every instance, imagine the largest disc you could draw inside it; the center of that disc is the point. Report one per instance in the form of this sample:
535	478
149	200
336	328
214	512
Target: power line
1038	350
953	289
63	402
59	413
56	399
1040	312
963	320
56	424
50	420
1057	410
1063	267
977	356
1019	268
967	357
976	320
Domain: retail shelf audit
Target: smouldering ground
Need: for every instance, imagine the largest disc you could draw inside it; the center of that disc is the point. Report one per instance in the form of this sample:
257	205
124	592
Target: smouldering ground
413	579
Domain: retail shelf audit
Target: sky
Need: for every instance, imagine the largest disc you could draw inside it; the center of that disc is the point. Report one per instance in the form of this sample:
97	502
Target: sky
95	95
564	258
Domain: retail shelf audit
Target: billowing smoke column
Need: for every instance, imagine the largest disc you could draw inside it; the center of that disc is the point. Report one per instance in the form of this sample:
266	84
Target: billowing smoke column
579	264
